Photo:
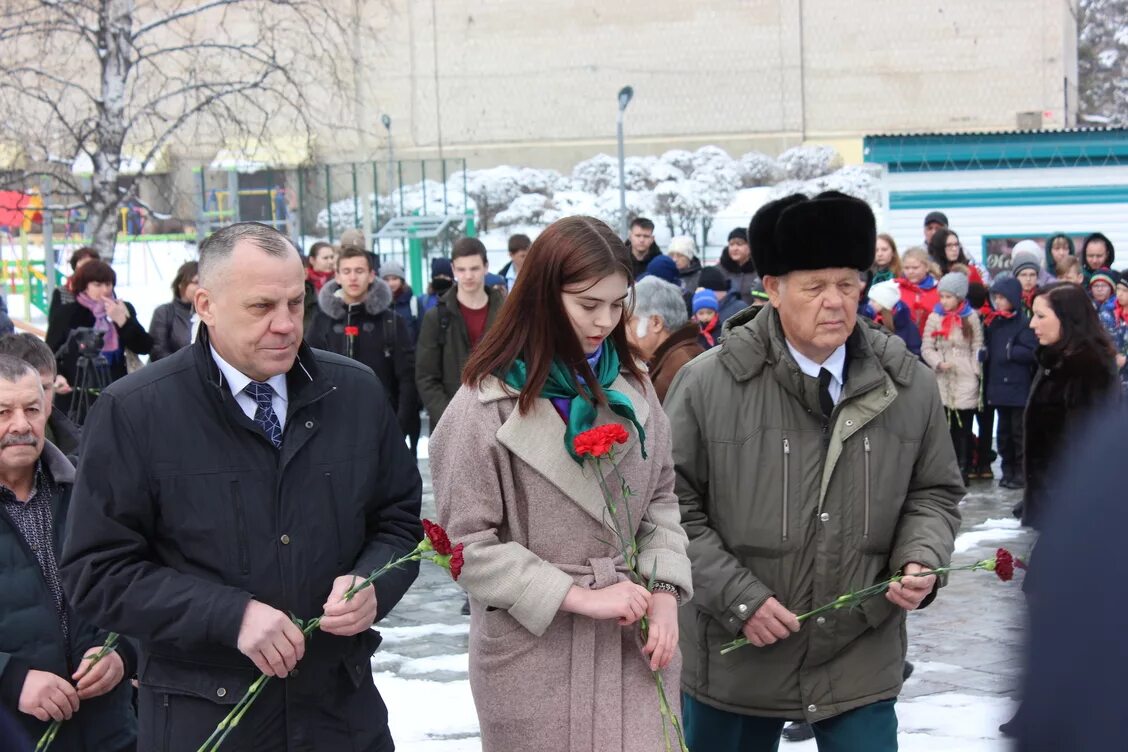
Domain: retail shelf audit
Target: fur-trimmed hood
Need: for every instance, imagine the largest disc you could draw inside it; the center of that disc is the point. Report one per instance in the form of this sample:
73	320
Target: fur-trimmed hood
379	299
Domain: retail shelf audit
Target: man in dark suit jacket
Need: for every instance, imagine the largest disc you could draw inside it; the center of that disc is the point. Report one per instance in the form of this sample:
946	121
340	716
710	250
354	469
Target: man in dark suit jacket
240	481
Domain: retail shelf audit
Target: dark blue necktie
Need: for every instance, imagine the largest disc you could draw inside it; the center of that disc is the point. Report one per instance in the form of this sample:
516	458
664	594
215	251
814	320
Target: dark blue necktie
265	416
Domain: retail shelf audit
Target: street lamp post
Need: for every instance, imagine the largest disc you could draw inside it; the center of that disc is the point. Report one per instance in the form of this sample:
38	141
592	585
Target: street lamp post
625	95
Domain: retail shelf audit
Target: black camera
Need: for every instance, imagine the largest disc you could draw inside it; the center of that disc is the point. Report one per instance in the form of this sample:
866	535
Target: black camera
84	342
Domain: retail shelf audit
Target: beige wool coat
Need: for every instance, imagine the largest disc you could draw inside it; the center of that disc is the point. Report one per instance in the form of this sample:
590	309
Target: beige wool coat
959	385
531	519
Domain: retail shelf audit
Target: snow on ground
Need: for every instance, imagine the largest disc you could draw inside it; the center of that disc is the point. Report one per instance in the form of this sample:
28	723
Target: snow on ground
945	722
429	716
991	531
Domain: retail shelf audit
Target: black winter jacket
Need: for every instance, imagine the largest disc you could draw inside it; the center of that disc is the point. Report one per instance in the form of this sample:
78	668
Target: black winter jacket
1065	390
184	511
171	329
383	342
1010	345
31	638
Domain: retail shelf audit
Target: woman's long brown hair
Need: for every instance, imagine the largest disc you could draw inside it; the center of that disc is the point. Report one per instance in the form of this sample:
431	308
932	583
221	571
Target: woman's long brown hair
572	254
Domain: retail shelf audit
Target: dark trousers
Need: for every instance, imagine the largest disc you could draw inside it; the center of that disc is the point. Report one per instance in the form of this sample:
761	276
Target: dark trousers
959	426
1011	437
871	728
985	421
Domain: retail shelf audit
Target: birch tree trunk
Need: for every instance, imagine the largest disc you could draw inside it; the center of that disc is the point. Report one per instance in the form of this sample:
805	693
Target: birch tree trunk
115	21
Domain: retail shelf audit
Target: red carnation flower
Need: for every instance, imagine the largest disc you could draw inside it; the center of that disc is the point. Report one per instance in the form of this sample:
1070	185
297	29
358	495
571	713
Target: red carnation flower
438	537
1004	565
456	562
597	442
352	331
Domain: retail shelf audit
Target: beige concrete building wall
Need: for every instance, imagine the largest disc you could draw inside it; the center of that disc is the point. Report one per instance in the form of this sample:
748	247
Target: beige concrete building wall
534	81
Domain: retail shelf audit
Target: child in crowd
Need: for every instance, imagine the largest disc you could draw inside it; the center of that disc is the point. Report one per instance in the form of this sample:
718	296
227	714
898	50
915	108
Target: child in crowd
1069	270
886	262
982	455
892	313
918	286
1008	372
705	311
952	340
1101	287
1115	321
1026	268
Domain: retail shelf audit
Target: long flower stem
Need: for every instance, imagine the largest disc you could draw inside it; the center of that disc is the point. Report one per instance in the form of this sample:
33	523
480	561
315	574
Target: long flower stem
628	547
52	731
232	719
856	597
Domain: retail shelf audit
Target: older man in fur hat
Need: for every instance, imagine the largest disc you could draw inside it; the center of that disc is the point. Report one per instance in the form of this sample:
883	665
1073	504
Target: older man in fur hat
813	459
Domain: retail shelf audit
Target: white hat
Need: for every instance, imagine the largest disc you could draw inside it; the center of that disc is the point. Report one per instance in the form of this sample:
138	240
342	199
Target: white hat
682	245
885	294
1027	246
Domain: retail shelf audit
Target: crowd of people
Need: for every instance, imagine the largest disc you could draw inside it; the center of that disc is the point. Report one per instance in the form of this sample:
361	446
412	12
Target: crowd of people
854	387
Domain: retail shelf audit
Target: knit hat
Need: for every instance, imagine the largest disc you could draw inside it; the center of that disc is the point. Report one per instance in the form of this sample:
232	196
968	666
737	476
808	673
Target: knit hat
712	278
1122	280
1026	259
955	283
795	233
886	294
353	238
935	216
391	268
682	245
739	233
1106	275
665	269
1026	246
441	267
704	299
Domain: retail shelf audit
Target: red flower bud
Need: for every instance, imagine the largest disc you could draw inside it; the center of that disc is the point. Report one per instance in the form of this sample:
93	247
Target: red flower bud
597	442
438	537
456	562
1004	565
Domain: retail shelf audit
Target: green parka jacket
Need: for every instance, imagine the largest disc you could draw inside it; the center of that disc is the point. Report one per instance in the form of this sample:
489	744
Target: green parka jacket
778	501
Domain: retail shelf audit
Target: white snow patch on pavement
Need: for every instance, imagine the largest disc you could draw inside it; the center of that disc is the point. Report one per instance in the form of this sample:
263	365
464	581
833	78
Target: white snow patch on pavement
948	722
456	662
396	635
991	531
424	715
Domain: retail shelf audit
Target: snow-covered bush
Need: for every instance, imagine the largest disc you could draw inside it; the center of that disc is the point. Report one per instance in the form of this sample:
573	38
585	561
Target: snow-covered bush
760	169
807	162
860	181
679	158
596	175
526	209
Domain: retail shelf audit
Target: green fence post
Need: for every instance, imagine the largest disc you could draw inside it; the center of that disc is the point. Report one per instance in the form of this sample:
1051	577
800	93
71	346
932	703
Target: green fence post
415	253
471	225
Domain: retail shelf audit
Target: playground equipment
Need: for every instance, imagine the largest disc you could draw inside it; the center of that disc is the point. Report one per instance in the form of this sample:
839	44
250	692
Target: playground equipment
316	202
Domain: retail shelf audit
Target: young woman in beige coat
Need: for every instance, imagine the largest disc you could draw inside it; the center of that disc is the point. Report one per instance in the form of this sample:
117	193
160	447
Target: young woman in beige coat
953	339
556	663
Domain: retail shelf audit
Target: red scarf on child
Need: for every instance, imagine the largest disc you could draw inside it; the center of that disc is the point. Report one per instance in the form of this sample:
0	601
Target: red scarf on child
1120	313
318	279
992	315
951	319
707	331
